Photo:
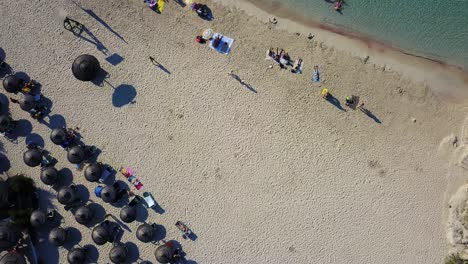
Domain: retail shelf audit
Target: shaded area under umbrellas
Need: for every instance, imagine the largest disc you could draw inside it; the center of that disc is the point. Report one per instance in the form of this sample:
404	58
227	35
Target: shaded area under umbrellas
145	232
12	84
37	218
49	176
58	136
84	214
6	123
32	157
9	235
76	255
67	195
58	236
118	254
93	172
128	213
86	67
76	155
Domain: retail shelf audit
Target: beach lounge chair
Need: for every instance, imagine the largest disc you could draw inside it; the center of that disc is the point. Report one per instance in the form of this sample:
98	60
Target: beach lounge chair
149	200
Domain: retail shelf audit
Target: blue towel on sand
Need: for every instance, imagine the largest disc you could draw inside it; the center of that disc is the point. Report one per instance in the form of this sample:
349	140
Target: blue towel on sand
222	48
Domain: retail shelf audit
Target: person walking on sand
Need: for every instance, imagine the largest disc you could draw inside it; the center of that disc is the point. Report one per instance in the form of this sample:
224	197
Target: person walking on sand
235	76
325	93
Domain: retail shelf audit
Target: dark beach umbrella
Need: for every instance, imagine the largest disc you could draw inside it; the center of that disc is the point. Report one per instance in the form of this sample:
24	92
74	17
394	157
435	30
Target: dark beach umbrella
164	254
66	195
118	254
9	235
108	194
75	155
11	258
85	67
93	172
37	218
57	236
32	157
128	213
27	102
145	233
76	256
58	135
49	176
100	235
84	214
5	122
12	84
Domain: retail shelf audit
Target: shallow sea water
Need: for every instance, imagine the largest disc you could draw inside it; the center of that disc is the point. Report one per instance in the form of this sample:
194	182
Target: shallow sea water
432	28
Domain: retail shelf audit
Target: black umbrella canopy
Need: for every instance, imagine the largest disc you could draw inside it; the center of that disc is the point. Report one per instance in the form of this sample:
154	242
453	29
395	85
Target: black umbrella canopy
57	236
100	235
12	84
145	233
27	102
32	157
108	194
4	194
76	256
84	214
66	195
11	258
164	254
128	213
49	176
37	218
93	172
5	122
85	67
58	135
75	154
118	254
9	235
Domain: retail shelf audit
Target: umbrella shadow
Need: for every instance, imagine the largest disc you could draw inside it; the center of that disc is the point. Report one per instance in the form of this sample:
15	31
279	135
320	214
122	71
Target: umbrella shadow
82	192
23	76
99	214
371	115
4	103
99	19
66	177
160	233
36	139
114	59
5	163
5	69
332	100
142	213
74	238
133	252
55	121
23	128
124	94
46	198
92	253
49	252
157	208
101	78
91	38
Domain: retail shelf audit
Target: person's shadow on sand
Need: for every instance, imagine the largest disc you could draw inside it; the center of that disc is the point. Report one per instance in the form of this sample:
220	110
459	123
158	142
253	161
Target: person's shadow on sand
332	100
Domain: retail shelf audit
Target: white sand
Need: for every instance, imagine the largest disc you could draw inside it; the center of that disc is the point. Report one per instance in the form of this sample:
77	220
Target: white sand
277	176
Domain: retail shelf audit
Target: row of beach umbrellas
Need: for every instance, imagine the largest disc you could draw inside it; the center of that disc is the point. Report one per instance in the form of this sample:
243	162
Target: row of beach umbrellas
84	68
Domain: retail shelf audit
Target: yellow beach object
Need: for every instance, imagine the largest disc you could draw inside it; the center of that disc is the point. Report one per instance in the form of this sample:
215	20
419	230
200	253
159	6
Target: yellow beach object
160	5
325	92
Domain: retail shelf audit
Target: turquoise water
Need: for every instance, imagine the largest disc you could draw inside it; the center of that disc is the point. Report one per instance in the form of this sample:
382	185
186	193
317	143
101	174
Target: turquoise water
433	28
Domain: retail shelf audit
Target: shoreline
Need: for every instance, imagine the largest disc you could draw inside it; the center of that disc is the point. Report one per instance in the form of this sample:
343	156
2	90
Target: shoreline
435	73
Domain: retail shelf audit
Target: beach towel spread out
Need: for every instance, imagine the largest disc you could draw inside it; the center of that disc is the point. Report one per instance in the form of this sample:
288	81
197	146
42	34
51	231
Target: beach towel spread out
316	76
222	48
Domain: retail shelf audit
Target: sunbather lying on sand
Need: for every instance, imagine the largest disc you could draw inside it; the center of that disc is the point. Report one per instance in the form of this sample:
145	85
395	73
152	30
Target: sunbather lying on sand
297	66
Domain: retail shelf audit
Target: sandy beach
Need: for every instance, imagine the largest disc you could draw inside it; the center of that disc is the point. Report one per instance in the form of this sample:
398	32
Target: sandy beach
270	174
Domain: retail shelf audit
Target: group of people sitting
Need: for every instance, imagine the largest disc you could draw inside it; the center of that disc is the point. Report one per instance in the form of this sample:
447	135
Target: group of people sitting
283	59
201	10
39	110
